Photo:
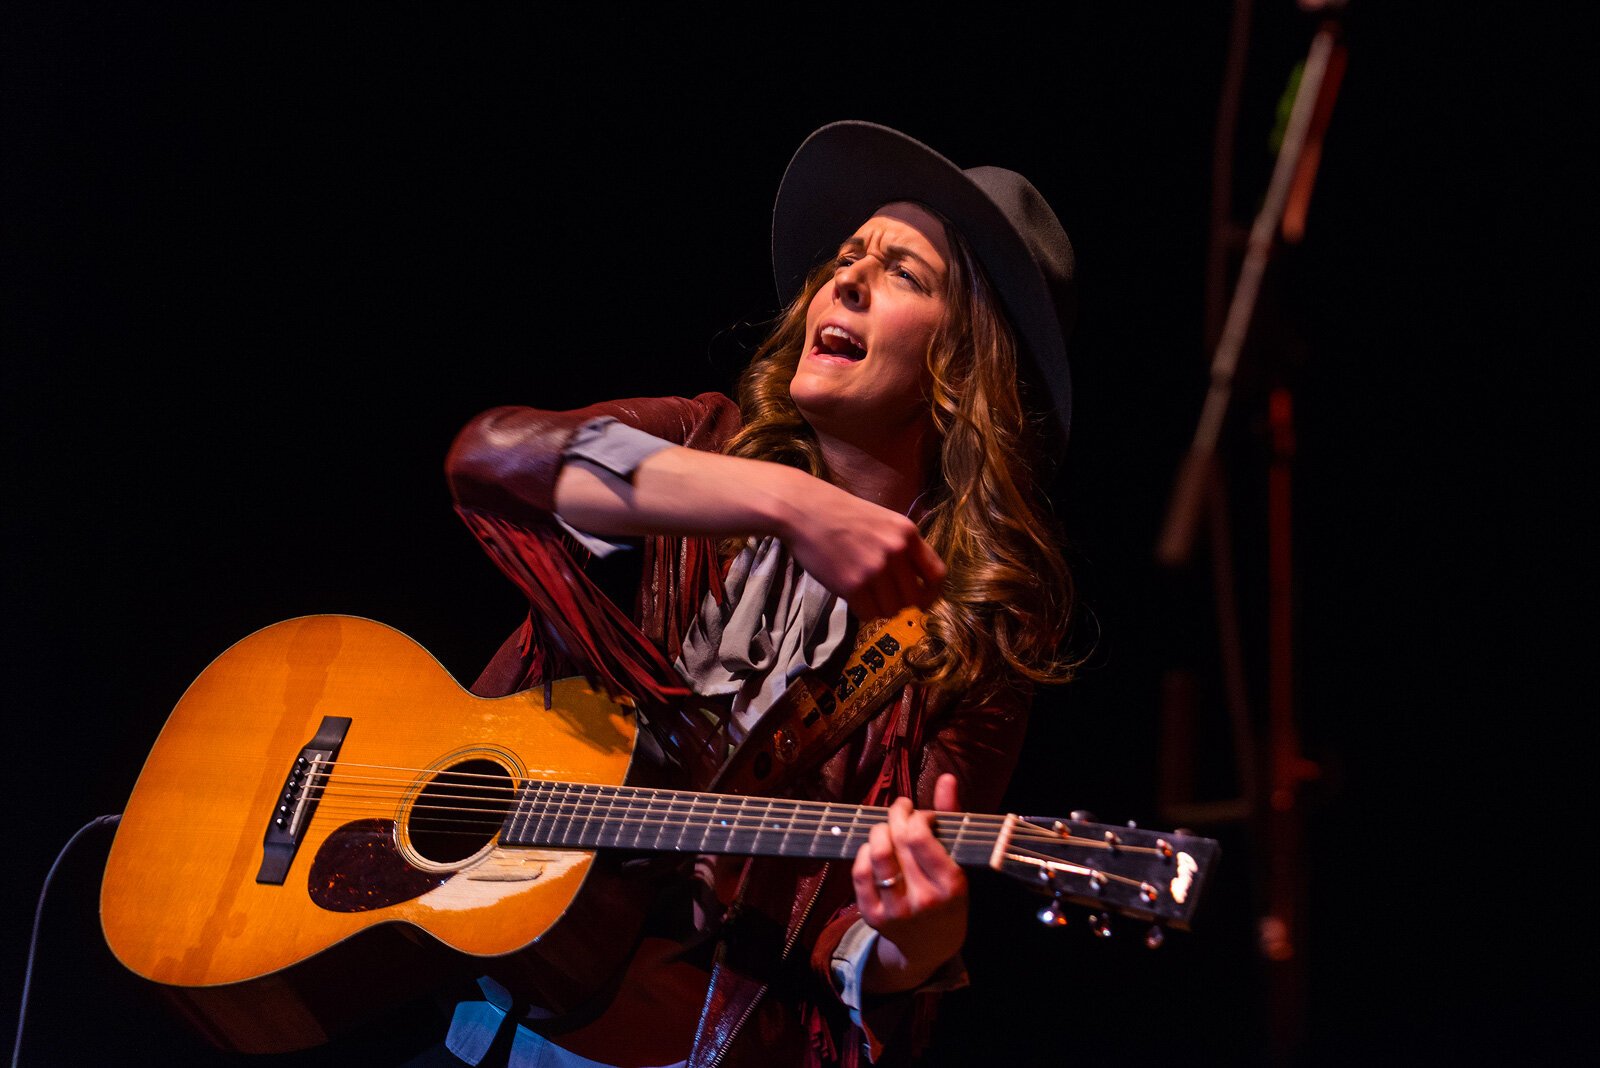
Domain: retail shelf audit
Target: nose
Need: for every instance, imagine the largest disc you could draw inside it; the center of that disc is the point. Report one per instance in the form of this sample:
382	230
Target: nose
850	284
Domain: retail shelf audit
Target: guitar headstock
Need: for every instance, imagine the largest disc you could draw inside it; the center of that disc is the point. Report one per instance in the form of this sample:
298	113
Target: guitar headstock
1149	875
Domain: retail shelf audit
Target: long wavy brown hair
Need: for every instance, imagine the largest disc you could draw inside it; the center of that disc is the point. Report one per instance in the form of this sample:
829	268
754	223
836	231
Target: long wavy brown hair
1002	622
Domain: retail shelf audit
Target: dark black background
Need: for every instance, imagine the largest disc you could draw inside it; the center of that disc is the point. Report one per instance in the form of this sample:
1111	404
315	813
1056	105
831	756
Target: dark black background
261	262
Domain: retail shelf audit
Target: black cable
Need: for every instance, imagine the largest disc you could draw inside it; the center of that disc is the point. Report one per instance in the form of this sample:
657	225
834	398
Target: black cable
38	915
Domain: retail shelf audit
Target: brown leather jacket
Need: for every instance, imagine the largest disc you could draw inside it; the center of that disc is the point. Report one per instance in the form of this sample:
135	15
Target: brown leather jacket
771	999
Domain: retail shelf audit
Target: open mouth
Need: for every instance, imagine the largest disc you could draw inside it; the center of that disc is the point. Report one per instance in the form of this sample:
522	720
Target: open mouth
840	343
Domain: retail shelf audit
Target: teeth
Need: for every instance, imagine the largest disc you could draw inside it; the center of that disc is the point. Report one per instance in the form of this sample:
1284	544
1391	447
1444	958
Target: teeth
841	341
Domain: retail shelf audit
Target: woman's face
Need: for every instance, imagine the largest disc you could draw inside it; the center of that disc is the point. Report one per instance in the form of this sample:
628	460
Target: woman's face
864	363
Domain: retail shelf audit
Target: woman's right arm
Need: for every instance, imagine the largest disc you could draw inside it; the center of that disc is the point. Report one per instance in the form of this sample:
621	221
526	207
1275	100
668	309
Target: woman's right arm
509	461
872	557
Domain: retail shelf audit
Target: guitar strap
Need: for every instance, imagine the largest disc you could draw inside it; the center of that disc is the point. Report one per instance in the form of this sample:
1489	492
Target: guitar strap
815	715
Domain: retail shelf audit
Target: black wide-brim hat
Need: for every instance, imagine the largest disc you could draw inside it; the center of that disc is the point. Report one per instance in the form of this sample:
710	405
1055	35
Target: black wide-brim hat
846	171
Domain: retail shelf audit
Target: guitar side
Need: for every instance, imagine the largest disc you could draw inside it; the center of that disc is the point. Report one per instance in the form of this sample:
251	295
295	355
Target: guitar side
246	960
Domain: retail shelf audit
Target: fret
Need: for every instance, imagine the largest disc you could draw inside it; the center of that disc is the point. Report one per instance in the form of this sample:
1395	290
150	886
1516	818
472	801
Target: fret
757	843
855	822
830	836
647	831
784	850
544	797
623	819
561	831
972	845
707	821
532	825
719	821
605	830
549	809
745	829
578	814
527	807
849	839
955	841
714	820
605	826
639	802
665	822
582	827
511	826
862	822
670	826
822	829
608	821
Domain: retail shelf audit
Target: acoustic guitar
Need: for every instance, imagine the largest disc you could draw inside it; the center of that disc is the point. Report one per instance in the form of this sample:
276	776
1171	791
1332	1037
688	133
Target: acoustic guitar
329	822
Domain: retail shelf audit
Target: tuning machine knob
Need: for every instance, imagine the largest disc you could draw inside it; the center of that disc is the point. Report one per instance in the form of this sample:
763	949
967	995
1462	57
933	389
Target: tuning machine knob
1154	937
1052	915
1100	924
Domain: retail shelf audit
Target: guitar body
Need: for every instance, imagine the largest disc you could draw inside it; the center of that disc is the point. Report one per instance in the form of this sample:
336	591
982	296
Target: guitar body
183	903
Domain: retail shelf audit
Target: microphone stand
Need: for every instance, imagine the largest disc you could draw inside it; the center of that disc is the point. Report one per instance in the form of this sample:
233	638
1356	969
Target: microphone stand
1269	799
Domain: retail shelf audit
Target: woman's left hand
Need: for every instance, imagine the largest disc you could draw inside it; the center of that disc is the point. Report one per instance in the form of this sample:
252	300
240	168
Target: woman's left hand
909	889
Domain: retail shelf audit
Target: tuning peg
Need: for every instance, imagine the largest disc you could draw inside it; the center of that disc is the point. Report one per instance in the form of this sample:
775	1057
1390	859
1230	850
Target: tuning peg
1079	815
1051	915
1100	924
1154	937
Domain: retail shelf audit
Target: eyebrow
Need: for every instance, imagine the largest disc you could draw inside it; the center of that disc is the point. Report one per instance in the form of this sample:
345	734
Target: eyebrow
899	252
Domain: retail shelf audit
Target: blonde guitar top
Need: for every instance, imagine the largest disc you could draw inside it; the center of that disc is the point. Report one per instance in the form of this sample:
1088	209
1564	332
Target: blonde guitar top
181	904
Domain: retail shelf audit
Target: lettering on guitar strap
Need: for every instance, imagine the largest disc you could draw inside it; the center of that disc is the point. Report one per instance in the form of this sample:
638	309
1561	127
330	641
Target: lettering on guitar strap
852	677
825	706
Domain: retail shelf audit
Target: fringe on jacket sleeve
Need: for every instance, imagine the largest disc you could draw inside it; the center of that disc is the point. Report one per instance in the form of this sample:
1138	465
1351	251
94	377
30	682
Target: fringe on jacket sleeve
576	629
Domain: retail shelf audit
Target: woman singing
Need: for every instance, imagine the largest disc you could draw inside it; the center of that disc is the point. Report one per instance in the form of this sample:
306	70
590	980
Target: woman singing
886	450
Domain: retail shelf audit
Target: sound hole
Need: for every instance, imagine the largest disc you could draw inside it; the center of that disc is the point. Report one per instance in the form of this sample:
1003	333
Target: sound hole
460	811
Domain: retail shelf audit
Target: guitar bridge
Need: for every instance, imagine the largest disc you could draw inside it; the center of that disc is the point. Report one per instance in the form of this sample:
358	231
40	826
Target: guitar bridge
296	802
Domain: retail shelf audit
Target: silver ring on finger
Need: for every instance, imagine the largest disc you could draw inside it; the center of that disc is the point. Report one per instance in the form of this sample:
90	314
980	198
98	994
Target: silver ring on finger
890	883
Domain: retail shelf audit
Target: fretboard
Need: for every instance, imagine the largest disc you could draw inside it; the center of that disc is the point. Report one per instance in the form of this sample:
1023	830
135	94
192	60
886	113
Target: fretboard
584	816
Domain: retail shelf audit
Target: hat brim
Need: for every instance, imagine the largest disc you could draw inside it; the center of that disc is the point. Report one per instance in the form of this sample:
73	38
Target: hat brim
845	171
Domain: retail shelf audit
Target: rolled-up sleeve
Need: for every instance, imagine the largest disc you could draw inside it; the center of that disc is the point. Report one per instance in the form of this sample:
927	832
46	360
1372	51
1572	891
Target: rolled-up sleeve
618	448
506	461
878	1017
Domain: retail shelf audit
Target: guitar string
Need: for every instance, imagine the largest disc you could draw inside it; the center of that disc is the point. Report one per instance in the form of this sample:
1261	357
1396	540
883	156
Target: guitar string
692	806
1046	859
586	808
589	813
676	815
845	843
648	795
1024	829
589	816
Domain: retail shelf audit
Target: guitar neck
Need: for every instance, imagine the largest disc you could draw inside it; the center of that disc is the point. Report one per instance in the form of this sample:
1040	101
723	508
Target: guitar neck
1148	874
584	816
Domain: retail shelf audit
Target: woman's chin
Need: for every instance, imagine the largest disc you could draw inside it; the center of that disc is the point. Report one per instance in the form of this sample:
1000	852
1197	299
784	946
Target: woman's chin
816	401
